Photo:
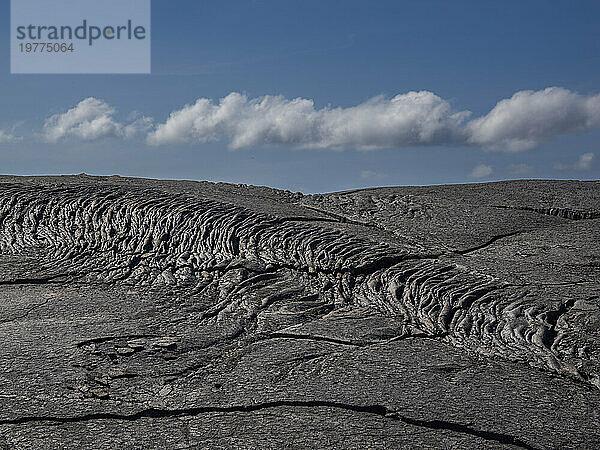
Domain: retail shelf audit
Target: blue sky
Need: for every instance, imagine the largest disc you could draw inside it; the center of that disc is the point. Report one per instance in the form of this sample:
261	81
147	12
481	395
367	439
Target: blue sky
467	56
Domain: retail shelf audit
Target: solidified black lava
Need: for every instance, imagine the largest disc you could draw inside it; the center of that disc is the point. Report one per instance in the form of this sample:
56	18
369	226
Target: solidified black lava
161	314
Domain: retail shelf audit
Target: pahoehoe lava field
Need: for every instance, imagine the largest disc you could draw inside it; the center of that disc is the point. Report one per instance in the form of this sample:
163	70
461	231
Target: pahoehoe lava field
167	314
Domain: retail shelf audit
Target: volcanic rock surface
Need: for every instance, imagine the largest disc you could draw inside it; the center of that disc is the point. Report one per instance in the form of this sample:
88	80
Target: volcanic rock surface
161	314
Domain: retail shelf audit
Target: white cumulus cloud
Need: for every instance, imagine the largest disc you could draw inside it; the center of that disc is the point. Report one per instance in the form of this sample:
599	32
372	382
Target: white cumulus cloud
529	118
8	138
481	171
415	118
521	122
91	119
583	163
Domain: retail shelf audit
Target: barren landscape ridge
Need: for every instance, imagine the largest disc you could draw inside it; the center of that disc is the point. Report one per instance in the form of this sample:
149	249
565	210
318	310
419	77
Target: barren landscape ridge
192	313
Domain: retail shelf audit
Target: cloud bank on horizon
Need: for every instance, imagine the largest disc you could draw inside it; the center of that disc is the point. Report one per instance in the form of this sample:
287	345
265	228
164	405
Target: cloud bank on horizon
415	118
521	122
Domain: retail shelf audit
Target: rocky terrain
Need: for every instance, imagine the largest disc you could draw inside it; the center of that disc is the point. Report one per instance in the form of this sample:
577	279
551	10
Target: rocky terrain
162	314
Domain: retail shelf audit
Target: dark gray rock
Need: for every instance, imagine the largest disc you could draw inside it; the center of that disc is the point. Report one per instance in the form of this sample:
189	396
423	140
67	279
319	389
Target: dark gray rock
162	314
